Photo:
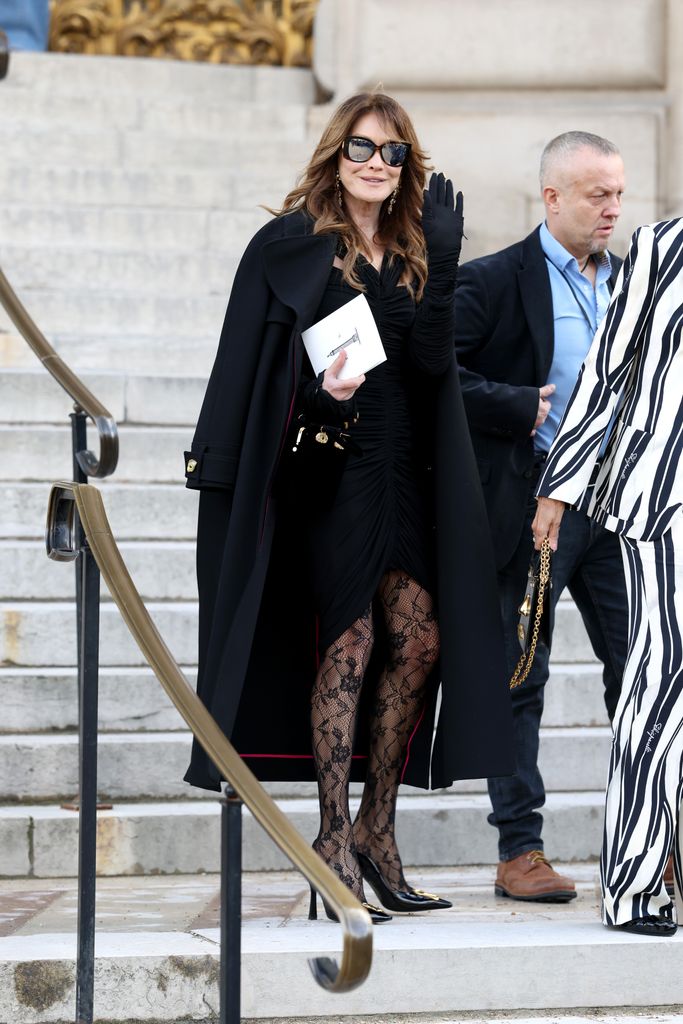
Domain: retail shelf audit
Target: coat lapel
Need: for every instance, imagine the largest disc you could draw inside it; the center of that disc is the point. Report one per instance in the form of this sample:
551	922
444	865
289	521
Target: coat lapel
297	267
534	288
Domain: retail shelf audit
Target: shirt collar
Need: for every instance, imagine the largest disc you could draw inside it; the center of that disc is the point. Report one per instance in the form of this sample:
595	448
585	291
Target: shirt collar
563	259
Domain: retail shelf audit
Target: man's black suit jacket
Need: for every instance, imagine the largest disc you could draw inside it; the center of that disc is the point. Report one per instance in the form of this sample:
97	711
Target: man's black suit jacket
505	343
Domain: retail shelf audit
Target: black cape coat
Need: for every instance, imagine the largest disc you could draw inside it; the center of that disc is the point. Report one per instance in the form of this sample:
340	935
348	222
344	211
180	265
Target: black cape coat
257	627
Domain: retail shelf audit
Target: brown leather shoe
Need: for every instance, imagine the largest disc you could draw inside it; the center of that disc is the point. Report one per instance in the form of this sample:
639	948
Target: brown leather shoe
531	877
669	876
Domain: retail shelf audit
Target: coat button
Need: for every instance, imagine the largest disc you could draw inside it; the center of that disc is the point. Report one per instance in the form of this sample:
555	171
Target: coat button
527	474
191	466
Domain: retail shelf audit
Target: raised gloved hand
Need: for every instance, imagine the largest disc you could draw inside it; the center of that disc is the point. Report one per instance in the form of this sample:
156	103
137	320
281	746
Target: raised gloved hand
442	224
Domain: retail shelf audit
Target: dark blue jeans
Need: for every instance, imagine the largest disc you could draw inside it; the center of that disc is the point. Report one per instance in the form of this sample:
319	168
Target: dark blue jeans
587	562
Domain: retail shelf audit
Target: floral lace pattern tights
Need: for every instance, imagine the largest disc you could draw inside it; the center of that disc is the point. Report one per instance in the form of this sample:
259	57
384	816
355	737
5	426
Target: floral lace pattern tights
413	639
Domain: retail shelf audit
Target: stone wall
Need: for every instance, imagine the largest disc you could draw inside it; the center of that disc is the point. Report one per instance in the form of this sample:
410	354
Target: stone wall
489	82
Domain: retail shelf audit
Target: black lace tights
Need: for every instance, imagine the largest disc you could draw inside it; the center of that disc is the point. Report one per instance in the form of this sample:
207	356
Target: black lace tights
413	638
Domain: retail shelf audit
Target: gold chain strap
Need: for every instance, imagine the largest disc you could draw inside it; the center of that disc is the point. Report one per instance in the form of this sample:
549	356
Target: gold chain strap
526	661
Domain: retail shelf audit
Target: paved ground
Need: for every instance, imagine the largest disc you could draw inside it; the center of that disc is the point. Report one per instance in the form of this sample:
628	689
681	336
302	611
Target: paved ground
271	900
152	930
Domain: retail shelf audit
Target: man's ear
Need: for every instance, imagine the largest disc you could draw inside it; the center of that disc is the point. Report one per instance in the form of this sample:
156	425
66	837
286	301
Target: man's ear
551	198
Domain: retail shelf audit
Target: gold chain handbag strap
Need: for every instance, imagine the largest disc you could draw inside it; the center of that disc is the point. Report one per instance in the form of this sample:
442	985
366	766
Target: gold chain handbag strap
526	661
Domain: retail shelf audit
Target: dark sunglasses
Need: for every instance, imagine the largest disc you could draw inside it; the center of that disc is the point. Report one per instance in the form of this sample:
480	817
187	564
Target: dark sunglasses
358	149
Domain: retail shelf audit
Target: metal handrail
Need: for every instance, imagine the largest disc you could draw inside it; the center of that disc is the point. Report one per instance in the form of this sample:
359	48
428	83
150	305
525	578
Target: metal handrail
83	398
356	924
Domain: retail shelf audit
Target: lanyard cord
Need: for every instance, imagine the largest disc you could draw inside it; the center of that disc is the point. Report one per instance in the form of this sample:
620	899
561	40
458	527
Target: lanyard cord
592	327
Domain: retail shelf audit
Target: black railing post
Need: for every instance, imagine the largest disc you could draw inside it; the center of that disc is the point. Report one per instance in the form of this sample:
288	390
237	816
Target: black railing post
231	907
87	813
79	442
88	638
4	54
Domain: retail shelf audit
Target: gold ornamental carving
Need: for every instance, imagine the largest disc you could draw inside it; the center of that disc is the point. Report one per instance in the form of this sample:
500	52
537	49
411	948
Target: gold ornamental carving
217	31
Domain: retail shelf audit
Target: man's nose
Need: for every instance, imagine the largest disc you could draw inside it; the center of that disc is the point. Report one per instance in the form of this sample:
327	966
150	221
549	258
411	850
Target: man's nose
613	208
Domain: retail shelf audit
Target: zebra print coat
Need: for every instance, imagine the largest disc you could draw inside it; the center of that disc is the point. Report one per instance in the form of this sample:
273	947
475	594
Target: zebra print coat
631	382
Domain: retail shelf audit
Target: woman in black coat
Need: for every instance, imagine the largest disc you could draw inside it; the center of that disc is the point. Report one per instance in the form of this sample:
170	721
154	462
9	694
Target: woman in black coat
339	587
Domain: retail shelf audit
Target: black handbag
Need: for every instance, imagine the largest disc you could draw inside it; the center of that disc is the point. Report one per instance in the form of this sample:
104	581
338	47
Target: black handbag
312	465
534	612
314	440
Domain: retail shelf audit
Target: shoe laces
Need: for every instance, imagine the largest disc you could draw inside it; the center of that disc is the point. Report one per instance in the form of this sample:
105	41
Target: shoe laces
537	857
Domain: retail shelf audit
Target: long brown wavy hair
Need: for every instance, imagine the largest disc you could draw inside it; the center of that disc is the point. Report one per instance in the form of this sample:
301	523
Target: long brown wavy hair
400	231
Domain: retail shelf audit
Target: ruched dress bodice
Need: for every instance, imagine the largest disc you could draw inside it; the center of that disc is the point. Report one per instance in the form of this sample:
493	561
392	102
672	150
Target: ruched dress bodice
381	516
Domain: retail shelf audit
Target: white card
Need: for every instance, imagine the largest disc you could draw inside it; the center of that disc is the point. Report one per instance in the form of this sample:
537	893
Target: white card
350	328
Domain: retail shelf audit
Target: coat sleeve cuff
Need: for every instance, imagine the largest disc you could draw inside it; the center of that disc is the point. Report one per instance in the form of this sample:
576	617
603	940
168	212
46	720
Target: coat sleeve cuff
209	468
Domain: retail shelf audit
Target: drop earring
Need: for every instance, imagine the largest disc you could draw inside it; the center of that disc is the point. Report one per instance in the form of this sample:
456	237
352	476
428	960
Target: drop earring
392	201
340	198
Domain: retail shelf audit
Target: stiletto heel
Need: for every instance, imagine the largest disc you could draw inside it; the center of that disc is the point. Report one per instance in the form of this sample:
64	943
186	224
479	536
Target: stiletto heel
377	915
398	899
313	906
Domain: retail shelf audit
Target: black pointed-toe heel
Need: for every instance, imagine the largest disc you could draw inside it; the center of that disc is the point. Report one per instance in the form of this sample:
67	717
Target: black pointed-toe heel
401	900
652	924
377	915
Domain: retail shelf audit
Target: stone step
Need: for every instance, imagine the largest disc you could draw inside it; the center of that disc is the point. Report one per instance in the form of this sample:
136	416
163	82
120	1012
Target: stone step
146	454
163	571
132	700
231	120
33	396
142	354
150	766
157	957
110	81
165	179
184	836
129	700
135	511
73	269
42	633
103	315
159	228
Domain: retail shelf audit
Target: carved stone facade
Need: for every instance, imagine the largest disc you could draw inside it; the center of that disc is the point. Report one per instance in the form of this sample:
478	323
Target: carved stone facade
488	84
218	31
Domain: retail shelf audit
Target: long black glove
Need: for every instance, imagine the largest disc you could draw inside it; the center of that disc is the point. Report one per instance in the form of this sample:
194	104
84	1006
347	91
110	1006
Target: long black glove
433	335
442	224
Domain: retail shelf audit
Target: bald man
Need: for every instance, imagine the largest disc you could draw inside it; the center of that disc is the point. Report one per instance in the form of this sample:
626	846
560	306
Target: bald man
525	319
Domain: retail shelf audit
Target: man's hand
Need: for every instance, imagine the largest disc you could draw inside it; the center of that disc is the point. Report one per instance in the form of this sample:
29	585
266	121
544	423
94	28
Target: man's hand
547	521
544	406
342	390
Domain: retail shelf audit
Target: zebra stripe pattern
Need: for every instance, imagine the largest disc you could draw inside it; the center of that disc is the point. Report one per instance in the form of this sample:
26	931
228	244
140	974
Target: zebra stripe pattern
631	375
645	787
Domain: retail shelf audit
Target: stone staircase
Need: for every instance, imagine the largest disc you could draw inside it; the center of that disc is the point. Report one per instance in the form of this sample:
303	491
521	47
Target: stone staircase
128	190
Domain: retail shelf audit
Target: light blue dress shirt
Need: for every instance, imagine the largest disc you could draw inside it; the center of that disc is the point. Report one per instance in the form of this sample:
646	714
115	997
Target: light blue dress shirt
578	309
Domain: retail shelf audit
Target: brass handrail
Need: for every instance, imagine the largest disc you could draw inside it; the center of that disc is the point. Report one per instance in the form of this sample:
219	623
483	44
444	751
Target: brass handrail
83	399
61	536
4	54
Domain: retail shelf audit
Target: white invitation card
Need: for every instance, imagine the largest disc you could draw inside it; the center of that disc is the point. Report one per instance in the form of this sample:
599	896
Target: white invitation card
351	329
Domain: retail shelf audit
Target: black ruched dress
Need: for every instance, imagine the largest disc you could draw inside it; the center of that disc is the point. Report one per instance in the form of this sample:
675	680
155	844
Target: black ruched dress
381	516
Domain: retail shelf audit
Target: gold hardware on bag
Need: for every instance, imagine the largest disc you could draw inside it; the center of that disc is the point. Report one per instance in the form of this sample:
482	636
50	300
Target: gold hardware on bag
191	465
321	437
526	661
525	606
298	439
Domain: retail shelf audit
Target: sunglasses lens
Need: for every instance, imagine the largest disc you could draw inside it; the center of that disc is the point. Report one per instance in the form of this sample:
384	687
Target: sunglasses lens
358	150
394	153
